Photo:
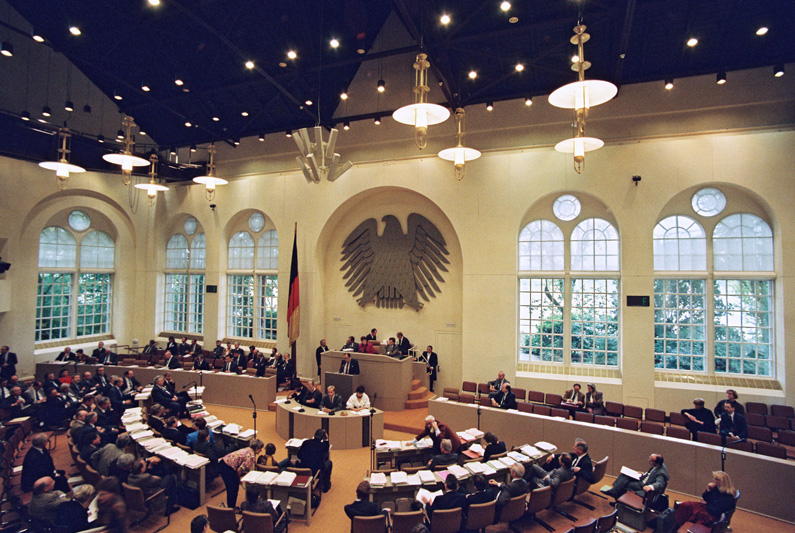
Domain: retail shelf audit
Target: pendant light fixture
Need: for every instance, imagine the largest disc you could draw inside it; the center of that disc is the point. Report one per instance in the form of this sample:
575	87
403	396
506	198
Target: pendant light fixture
62	166
580	96
126	159
421	114
318	160
152	188
210	181
460	154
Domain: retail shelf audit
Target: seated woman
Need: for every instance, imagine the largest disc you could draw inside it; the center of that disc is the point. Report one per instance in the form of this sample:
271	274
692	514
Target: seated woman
64	377
254	504
719	498
494	446
593	400
268	459
366	346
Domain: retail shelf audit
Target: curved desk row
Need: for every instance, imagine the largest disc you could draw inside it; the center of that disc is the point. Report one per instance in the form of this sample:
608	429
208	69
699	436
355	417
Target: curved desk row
690	463
346	429
219	389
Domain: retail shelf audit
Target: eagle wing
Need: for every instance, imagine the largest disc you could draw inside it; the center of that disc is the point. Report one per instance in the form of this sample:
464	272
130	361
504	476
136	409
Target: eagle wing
427	254
358	255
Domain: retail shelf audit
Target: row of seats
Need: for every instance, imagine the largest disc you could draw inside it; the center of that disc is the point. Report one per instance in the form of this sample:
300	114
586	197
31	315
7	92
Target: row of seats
187	363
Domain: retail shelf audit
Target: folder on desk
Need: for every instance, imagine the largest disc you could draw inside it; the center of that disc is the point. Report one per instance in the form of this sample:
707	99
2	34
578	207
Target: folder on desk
301	481
545	446
377	479
519	457
426	476
531	451
475	467
457	471
399	478
285	479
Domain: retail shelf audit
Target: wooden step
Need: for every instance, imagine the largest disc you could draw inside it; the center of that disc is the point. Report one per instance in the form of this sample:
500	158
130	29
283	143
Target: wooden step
416	384
417	404
418	394
272	406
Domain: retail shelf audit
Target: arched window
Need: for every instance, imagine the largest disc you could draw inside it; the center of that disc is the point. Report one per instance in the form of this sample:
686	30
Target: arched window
252	280
184	291
719	319
586	299
74	297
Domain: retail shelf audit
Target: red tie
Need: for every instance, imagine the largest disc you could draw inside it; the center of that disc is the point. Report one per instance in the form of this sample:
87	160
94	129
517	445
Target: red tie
347	367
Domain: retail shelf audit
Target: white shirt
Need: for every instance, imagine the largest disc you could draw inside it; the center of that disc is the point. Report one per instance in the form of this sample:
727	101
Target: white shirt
356	403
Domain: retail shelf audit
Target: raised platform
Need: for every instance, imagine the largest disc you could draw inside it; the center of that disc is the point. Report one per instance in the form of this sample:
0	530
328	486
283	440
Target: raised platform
408	421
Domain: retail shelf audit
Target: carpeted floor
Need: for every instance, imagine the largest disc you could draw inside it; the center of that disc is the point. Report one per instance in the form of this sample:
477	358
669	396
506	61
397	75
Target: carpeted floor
350	467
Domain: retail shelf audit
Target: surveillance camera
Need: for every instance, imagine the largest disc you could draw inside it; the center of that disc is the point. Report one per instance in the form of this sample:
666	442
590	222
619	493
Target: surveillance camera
4	266
212	206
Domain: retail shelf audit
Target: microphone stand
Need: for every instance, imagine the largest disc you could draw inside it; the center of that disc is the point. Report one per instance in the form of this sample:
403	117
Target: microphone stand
479	411
373	464
254	414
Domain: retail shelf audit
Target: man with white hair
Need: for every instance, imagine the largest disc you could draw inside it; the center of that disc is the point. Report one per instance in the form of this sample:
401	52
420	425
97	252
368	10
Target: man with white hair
516	487
74	513
495	387
438	432
46	501
38	464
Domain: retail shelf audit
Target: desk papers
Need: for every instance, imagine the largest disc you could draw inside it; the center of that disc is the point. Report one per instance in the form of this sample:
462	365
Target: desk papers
377	479
629	472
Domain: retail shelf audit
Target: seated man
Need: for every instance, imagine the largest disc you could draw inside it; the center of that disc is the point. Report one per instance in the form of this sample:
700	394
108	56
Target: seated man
537	477
73	514
516	487
581	463
495	387
170	432
392	349
101	381
332	402
90	443
446	458
373	335
350	345
164	397
15	403
482	494
403	344
450	499
655	479
38	464
574	396
358	400
122	467
171	360
99	352
505	399
131	385
349	365
46	501
219	350
230	367
733	426
731	397
200	363
119	401
66	355
150	484
254	504
362	506
494	446
701	419
312	397
314	454
103	458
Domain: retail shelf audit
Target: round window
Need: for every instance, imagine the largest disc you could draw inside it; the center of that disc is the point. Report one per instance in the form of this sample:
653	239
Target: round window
709	202
256	222
566	207
79	221
190	225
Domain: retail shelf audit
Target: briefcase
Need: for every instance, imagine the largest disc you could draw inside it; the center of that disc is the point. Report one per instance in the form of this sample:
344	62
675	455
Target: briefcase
188	497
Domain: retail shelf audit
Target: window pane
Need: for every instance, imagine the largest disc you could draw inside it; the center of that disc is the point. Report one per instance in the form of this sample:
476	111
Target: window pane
594	322
241	251
541	320
97	250
267	304
743	320
53	306
541	246
196	304
79	221
198	252
240	306
709	202
190	225
176	302
57	248
594	246
679	321
268	251
679	244
743	242
93	304
566	207
177	252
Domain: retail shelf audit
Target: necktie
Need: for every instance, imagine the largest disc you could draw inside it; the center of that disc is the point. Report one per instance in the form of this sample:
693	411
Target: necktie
347	368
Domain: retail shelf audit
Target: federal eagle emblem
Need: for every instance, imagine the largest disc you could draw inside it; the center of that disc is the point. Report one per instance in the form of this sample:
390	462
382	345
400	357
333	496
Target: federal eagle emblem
394	269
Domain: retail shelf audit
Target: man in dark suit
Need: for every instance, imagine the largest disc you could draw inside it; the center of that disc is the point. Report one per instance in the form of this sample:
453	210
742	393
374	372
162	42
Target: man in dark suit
505	399
350	345
109	358
319	352
362	506
66	355
230	367
537	477
101	381
218	351
372	336
701	419
483	493
516	487
38	464
239	357
495	387
654	479
200	363
403	343
131	385
172	360
731	397
310	395
99	352
170	432
431	365
15	403
446	458
161	395
8	362
574	396
332	402
118	400
450	499
184	347
733	426
195	347
314	454
349	365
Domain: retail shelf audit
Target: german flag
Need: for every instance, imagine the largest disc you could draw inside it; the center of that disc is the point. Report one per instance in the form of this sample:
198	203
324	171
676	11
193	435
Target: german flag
293	316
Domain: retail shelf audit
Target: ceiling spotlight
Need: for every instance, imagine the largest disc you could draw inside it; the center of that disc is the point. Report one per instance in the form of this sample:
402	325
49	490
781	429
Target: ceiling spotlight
692	42
117	96
361	51
100	138
282	64
36	37
291	54
381	86
188	124
308	102
86	108
519	67
288	133
145	87
154	2
142	132
261	137
46	111
513	20
778	71
505	6
721	77
74	30
472	74
69	106
489	106
445	19
528	101
575	58
216	119
120	134
172	151
377	121
193	148
343	95
236	142
762	30
25	115
178	81
249	64
669	83
244	113
7	49
346	126
334	43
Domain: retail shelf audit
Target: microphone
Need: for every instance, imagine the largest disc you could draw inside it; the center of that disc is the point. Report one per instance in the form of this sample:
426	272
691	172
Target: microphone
189	384
250	397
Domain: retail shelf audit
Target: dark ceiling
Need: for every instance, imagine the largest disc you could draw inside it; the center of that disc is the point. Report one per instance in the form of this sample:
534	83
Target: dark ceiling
206	43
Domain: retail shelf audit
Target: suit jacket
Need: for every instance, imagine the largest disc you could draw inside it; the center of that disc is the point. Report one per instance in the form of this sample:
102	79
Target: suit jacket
109	358
175	435
354	366
173	362
515	488
738	407
595	402
586	467
404	345
116	397
506	401
11	360
362	508
37	464
335	404
99	354
201	365
557	476
318	353
739	428
131	384
30	395
444	433
498	383
493	449
173	348
63	356
580	396
452	499
73	515
101	382
312	454
316	396
443	459
218	351
230	367
432	365
184	348
483	496
703	415
241	361
658	478
162	396
392	350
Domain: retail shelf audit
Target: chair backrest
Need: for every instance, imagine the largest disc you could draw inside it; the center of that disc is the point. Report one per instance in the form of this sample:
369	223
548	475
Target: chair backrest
134	498
581	416
744	446
541	410
614	408
564	492
406	467
633	411
469	386
599	469
720	525
588	527
524	407
483	388
481	515
786	437
604	420
485	401
655	415
521	394
777	422
405	522
677	418
361	524
607	522
553	399
251	371
557	411
627	423
300	471
755	419
535	396
451	393
539	499
730	514
757	433
771	450
91	476
787	411
446	521
756	407
709	438
652	427
466	398
221	518
514	509
677	432
581	486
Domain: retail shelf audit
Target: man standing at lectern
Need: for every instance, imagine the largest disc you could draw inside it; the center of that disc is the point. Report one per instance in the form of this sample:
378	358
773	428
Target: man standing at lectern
319	352
349	365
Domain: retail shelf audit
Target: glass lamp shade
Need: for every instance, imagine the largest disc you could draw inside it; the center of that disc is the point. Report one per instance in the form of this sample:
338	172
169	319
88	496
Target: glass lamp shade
126	161
459	155
210	182
579	145
421	115
61	168
583	94
151	188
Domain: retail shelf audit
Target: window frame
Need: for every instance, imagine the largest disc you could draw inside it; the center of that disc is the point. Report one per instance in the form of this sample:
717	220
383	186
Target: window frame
189	318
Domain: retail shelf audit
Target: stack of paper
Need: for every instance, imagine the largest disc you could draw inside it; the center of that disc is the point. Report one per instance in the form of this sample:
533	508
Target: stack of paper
634	474
398	478
425	496
477	449
519	457
142	434
259	478
246	434
231	429
457	471
137	426
285	479
215	423
153	443
294	443
496	464
426	476
142	396
475	432
424	443
547	447
414	480
488	470
465	437
377	479
507	461
531	451
475	467
442	399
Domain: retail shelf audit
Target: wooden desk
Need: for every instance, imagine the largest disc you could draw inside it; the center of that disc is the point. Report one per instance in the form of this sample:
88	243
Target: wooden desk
282	493
387	380
689	463
345	432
